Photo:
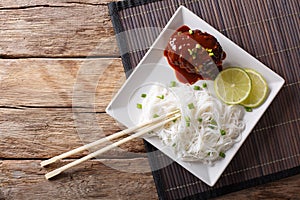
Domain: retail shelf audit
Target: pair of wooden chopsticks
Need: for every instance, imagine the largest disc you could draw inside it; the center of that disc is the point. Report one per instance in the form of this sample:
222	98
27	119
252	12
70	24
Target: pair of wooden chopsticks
141	130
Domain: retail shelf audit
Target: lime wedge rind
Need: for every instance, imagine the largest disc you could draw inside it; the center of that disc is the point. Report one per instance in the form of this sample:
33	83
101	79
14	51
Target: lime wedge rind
259	91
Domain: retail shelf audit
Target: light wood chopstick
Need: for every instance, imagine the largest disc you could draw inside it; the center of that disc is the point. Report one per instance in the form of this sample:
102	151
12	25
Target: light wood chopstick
102	140
109	147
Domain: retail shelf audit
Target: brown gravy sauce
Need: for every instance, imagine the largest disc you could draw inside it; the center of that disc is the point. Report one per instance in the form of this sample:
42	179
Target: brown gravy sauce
186	57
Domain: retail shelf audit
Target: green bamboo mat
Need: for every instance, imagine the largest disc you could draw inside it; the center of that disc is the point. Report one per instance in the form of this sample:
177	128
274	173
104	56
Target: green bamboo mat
267	29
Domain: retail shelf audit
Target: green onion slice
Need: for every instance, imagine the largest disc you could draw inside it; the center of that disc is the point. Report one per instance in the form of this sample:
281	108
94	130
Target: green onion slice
191	106
223	132
187	120
197	87
173	84
161	97
155	115
248	109
213	122
139	106
222	154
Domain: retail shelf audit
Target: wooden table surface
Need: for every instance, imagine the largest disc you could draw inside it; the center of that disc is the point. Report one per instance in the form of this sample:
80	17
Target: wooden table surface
52	54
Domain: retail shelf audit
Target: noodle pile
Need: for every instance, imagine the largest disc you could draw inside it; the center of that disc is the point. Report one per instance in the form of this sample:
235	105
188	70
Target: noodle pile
207	127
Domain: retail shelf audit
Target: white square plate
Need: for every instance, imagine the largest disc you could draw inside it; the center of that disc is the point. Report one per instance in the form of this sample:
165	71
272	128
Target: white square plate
155	68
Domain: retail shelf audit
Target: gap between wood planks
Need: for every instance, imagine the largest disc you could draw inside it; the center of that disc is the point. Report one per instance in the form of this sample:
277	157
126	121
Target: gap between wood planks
72	159
9	57
23	107
61	5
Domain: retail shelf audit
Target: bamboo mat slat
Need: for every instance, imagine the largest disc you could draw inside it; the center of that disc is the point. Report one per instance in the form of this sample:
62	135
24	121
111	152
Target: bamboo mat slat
267	29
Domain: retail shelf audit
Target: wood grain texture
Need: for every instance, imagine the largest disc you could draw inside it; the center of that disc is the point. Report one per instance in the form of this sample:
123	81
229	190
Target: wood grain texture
42	28
89	83
49	106
35	133
95	179
15	4
91	180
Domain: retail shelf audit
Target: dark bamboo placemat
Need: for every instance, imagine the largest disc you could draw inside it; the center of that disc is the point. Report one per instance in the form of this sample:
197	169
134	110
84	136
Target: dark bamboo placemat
267	29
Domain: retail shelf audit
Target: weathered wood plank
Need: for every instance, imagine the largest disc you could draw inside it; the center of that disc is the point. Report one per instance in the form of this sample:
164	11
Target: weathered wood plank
43	28
60	82
91	180
44	133
97	180
26	3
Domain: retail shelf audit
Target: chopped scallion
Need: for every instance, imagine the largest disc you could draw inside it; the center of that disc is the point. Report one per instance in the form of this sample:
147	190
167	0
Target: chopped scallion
191	31
248	109
139	106
223	132
143	95
191	106
198	46
199	119
161	97
211	127
197	87
173	84
213	122
222	154
211	54
188	121
155	115
204	85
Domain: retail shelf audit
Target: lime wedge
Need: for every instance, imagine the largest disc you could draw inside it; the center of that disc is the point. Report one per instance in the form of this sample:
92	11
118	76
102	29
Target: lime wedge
233	85
259	90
